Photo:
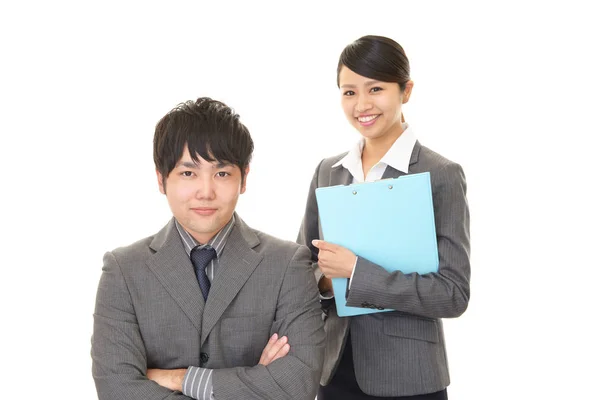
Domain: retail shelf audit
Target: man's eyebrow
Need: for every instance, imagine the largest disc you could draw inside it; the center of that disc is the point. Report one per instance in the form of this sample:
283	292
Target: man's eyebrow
222	165
187	164
190	164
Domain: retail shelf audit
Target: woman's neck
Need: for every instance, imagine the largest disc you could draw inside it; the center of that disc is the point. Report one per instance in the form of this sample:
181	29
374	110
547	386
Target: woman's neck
375	148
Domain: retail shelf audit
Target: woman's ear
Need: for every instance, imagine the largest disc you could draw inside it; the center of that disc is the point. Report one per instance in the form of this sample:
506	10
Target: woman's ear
407	91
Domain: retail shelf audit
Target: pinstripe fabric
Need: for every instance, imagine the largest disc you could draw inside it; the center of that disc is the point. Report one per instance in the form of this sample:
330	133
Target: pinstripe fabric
150	313
202	387
400	353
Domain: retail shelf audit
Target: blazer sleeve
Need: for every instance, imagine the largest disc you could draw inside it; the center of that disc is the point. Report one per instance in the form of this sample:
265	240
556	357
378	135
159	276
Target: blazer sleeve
444	294
309	229
298	316
119	361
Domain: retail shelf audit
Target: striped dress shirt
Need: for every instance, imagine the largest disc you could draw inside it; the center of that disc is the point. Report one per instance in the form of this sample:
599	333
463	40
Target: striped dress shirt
197	382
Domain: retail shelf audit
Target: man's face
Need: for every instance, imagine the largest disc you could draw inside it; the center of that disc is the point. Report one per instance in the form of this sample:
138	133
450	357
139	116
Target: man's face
202	195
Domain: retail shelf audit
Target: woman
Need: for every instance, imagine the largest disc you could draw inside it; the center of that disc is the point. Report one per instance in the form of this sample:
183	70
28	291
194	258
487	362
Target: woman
397	354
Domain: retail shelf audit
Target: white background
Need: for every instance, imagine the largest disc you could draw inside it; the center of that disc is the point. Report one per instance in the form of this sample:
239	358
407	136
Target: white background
507	89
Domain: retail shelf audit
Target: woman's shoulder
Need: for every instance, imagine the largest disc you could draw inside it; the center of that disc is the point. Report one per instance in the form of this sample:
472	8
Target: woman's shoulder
442	169
329	162
432	159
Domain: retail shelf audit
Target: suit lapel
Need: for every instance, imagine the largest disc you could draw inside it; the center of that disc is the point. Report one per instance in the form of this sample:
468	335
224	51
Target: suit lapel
391	172
236	264
340	176
174	270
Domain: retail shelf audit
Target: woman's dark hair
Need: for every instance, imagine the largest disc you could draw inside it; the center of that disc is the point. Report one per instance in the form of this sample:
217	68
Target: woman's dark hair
209	128
376	57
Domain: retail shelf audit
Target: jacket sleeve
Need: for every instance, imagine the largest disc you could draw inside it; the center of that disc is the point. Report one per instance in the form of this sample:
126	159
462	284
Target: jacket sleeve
444	294
298	316
119	361
309	228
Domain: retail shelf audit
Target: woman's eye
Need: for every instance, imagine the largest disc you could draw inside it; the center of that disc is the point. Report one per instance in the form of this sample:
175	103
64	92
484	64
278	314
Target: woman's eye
376	89
349	93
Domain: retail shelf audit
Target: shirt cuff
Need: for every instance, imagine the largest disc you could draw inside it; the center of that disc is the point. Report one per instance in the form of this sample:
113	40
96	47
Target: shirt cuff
353	269
197	383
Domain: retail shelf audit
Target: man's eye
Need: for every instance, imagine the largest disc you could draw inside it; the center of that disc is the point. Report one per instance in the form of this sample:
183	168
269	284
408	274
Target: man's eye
187	173
222	174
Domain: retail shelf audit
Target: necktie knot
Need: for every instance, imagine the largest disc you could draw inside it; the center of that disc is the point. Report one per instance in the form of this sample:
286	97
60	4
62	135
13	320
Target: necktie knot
201	257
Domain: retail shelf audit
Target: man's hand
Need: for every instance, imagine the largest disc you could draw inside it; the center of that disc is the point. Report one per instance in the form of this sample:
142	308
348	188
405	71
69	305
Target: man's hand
173	378
335	261
170	378
275	348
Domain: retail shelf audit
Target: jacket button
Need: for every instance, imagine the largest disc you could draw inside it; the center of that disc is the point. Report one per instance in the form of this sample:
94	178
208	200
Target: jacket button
204	357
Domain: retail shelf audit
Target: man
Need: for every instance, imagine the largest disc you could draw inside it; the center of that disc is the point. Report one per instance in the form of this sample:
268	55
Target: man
208	307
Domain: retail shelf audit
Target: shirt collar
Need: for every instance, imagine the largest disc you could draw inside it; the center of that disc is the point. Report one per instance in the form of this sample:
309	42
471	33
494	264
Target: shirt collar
217	242
397	157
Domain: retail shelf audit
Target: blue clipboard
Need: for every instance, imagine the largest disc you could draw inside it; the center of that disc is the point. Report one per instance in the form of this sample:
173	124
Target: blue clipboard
389	222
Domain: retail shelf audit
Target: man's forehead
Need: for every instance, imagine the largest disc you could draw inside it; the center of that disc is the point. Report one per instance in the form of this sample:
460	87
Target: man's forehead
202	163
187	161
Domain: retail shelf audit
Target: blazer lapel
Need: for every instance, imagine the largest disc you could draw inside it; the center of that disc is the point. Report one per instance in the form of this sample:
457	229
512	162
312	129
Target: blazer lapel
340	176
174	270
391	172
236	264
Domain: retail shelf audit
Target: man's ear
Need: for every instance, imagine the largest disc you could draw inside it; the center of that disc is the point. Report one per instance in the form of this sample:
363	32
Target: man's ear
243	188
161	183
407	91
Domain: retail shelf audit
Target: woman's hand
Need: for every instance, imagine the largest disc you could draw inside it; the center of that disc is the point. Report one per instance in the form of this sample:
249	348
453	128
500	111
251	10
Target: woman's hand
335	261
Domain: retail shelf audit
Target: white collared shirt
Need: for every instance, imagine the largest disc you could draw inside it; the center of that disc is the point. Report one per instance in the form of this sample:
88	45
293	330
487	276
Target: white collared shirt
397	157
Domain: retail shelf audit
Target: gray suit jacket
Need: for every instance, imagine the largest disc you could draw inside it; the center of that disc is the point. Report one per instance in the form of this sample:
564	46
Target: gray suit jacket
400	353
150	313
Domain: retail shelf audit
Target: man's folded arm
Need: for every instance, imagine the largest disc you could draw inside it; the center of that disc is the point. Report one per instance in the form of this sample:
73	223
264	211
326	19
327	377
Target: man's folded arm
295	376
118	354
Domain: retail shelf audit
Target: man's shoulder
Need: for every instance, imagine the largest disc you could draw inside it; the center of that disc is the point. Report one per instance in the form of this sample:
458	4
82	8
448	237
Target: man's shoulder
139	246
271	246
273	243
134	253
140	249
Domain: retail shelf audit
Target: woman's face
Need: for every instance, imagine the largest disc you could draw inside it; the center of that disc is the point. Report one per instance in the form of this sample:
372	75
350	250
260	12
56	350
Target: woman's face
373	107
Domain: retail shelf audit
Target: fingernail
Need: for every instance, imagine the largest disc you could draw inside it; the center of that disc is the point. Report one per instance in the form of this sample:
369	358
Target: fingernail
274	337
315	242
